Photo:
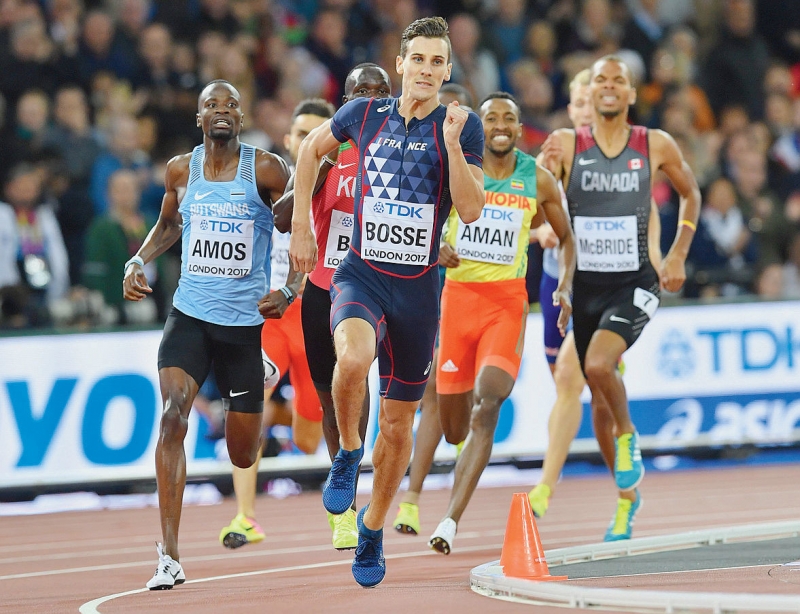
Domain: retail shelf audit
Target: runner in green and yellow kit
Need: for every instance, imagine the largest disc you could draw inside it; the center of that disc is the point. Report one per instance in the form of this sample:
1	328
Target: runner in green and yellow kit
484	301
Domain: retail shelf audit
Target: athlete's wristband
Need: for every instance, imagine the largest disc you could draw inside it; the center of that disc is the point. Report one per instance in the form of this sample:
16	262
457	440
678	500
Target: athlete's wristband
288	294
135	260
688	224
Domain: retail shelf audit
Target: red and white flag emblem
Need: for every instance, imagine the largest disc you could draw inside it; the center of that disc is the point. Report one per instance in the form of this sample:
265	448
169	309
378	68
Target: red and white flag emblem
635	164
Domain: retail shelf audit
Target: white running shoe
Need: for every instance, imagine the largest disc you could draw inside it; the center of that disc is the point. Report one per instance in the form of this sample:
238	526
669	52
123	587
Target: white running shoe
168	573
271	373
443	536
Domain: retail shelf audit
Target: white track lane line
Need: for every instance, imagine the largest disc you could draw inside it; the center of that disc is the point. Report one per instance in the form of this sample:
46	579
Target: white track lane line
667	573
554	533
90	607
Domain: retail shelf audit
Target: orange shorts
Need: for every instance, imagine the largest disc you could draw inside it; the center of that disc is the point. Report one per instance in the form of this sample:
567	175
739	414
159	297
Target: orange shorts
483	324
282	340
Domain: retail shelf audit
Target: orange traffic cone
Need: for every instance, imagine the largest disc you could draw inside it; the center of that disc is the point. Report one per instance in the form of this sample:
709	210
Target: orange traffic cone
523	555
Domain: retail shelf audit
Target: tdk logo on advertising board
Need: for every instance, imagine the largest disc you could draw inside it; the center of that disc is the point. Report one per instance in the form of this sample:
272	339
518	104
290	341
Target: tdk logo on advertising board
752	349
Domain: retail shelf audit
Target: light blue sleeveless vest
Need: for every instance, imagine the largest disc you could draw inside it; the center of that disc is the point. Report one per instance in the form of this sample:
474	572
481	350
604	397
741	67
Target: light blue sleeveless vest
226	243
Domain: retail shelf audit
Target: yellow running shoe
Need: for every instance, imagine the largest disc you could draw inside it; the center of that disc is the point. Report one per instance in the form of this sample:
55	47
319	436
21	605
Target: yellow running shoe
407	520
460	447
540	499
343	526
241	531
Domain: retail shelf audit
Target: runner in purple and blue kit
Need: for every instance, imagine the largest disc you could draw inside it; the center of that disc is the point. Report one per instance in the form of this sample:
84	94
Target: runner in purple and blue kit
416	158
390	278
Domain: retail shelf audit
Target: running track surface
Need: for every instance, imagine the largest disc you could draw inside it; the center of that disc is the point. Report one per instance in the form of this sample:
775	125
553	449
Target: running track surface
59	562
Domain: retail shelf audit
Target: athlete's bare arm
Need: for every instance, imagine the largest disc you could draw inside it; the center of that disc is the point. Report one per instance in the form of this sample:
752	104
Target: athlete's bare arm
654	238
274	304
272	175
302	245
551	157
557	153
538	220
448	257
549	199
284	206
667	157
466	180
166	231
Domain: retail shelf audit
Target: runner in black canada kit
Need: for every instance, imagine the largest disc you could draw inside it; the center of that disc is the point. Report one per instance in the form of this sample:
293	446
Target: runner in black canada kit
608	168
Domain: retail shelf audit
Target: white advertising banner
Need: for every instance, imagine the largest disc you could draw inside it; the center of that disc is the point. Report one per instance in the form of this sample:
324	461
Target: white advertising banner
85	407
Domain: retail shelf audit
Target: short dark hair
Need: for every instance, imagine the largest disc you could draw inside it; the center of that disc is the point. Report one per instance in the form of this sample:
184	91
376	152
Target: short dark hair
613	58
500	95
429	27
216	82
459	91
348	82
314	106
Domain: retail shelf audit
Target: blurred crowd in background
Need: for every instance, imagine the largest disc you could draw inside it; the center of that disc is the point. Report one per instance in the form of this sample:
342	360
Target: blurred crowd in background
97	95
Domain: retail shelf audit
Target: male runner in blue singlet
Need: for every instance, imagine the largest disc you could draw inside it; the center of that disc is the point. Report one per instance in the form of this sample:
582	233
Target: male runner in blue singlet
218	201
416	158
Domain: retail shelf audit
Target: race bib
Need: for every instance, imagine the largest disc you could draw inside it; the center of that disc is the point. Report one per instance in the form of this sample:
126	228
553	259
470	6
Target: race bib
646	301
607	244
338	238
279	259
494	238
398	232
220	247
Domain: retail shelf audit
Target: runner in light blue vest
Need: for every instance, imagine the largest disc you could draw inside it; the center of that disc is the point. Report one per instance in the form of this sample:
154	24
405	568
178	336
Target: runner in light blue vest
219	202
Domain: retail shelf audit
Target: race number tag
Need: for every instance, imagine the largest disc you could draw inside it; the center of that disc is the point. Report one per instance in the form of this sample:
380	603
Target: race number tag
279	259
646	301
607	244
220	247
339	235
493	238
398	232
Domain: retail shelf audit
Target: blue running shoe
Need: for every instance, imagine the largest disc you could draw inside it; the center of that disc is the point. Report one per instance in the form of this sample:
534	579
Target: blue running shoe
628	466
339	490
622	523
369	566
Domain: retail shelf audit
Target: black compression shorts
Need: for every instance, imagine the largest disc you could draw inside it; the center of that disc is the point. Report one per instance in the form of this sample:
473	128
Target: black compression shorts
316	317
234	351
623	309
